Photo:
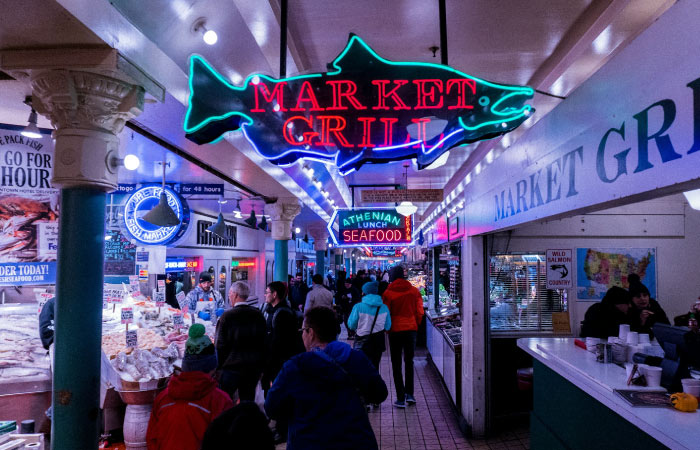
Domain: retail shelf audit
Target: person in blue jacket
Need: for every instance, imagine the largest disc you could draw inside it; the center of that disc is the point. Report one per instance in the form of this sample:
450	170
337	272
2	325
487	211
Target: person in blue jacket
362	319
321	392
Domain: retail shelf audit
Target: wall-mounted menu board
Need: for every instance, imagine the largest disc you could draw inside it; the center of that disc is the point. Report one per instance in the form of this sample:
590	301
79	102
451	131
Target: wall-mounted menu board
120	254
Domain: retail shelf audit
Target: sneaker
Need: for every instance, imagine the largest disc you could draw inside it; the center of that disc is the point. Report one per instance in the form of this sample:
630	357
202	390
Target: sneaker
411	400
400	404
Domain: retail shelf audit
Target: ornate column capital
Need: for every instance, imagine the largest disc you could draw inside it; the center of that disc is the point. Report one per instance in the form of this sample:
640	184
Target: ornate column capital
320	234
88	111
282	213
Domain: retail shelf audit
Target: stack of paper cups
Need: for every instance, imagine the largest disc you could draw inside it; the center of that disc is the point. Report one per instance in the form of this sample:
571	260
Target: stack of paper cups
624	329
644	338
632	338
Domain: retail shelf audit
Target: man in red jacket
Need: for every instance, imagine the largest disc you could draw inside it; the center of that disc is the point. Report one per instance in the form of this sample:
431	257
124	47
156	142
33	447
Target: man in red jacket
406	307
184	410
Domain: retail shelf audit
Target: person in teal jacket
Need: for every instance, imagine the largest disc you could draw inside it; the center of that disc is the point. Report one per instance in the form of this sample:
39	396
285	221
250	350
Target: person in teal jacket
362	317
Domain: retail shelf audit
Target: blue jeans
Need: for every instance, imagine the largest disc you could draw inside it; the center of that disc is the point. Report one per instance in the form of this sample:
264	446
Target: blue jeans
402	342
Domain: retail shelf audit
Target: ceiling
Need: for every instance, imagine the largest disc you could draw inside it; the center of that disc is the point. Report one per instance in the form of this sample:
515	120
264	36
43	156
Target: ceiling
551	45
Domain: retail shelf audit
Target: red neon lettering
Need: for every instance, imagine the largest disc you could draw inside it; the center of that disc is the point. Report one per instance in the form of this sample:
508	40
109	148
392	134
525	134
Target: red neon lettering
327	129
363	235
277	93
349	94
421	129
382	94
306	94
380	237
424	92
354	235
371	237
307	136
388	132
346	235
366	121
462	91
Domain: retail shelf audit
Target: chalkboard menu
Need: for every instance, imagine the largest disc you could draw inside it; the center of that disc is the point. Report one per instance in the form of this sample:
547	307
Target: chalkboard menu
120	254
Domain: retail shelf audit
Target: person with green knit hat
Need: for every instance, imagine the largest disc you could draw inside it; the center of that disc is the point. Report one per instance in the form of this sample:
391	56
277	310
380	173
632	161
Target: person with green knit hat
192	400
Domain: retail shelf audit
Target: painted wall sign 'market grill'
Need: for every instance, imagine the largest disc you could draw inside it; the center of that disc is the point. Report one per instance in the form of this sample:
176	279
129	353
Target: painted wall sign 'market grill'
365	109
371	227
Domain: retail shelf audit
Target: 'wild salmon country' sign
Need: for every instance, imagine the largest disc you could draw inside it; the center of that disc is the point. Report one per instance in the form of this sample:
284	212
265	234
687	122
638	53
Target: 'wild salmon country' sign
365	109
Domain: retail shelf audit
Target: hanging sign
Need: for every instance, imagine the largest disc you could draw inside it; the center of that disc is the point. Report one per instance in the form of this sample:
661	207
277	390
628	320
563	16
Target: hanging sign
28	210
142	201
371	227
401	195
559	269
202	189
367	109
383	251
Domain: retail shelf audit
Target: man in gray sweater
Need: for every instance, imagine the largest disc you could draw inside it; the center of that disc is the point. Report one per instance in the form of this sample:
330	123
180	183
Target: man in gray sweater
319	295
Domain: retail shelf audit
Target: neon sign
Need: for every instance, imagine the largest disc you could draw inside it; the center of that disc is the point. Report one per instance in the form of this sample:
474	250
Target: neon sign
142	201
366	109
383	251
371	227
235	263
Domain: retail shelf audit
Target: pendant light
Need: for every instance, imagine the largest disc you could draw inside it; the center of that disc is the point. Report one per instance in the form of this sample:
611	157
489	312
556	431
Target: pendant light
31	130
406	208
252	221
162	215
219	228
237	213
263	224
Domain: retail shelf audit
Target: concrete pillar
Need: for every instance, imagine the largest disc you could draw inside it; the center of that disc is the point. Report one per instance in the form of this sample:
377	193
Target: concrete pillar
282	214
320	236
88	103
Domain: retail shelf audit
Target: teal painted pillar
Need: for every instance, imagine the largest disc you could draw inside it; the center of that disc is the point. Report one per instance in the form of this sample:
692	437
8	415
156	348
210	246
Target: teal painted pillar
320	261
78	320
347	266
281	260
338	262
354	265
436	277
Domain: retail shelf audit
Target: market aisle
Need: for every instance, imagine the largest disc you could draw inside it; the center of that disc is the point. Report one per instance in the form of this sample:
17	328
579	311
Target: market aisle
430	423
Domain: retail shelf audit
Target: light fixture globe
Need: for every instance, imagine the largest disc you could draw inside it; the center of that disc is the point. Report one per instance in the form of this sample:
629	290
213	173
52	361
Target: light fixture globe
131	162
219	228
406	208
693	198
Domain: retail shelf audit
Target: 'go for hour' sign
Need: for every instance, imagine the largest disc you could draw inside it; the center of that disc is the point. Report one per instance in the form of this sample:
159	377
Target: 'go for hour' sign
559	269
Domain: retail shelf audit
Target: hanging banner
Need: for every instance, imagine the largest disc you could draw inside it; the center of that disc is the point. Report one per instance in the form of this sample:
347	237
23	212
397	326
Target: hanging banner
371	227
366	109
401	195
28	210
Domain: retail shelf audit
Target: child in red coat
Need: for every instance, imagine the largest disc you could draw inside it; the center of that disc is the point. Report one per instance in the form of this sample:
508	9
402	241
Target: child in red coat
184	410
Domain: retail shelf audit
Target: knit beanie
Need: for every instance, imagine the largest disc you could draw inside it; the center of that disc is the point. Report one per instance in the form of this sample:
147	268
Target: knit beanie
637	289
370	288
200	353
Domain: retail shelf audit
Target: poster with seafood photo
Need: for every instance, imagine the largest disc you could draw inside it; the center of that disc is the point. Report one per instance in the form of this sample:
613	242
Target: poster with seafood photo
28	210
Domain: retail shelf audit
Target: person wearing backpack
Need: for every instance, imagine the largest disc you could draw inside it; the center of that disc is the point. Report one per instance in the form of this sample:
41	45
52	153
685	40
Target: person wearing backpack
370	319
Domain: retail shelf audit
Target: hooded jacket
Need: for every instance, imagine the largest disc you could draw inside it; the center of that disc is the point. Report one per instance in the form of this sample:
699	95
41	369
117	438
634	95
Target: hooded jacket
405	304
184	410
362	316
603	319
319	393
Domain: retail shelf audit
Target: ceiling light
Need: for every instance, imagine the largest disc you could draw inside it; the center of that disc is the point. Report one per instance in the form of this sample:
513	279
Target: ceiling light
252	221
255	80
297	230
406	208
237	215
219	228
693	198
162	215
263	224
439	162
31	130
209	36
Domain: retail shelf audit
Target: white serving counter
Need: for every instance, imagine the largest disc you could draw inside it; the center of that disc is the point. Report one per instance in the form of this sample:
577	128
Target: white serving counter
674	429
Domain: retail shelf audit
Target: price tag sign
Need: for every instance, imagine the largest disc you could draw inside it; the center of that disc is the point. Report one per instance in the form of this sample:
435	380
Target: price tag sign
43	298
159	298
161	284
132	339
127	315
180	297
178	321
116	295
134	282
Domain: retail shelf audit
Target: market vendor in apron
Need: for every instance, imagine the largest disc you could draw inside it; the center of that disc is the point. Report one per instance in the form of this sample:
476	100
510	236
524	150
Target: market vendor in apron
203	297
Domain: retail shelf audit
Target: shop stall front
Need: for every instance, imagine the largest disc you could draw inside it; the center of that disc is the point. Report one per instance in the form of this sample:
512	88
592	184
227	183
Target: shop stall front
589	195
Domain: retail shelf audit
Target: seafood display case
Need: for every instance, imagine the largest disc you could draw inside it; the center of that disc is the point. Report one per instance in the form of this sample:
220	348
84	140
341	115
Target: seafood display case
444	342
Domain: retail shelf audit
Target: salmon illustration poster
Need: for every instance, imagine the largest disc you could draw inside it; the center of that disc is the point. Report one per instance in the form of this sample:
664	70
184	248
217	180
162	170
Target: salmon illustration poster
28	210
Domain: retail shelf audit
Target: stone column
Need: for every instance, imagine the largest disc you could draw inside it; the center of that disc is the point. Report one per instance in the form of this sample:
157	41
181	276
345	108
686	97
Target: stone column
282	214
320	235
88	111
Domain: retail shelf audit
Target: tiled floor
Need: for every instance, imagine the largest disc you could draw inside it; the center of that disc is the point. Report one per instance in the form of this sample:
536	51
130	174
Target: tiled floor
430	423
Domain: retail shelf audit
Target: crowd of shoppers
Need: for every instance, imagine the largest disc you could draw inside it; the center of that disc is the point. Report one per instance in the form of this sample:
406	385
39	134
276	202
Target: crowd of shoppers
317	389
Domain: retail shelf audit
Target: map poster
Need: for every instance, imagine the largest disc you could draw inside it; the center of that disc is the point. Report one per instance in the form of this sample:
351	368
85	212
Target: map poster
599	269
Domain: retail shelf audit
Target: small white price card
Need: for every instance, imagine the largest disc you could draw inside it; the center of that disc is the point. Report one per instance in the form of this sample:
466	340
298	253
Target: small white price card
132	339
127	315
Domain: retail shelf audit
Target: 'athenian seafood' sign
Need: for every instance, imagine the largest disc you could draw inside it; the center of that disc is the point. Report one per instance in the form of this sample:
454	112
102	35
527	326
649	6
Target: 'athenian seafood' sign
28	210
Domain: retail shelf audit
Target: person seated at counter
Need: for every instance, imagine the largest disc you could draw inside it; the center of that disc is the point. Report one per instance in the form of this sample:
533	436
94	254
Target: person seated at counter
645	311
603	319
